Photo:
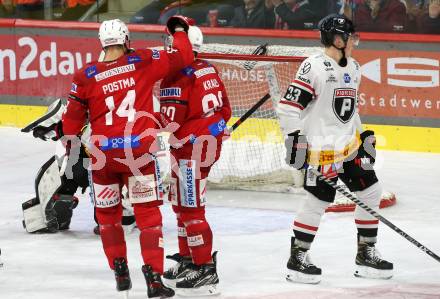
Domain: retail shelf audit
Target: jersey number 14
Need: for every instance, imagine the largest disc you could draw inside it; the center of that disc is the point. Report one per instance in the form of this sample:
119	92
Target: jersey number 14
125	109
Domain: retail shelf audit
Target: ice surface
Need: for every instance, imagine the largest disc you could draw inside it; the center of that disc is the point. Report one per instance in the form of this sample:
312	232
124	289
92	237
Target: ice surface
251	230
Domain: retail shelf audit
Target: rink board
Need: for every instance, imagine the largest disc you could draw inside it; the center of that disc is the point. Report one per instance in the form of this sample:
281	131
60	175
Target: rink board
401	138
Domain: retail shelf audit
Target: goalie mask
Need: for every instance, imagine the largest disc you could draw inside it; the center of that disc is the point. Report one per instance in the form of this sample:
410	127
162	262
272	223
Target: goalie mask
336	24
114	32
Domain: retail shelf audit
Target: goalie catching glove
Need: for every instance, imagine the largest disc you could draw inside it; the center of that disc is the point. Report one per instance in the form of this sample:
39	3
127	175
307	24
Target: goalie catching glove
296	147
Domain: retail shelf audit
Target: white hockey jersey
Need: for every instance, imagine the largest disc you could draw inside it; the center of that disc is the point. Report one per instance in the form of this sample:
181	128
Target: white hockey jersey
321	102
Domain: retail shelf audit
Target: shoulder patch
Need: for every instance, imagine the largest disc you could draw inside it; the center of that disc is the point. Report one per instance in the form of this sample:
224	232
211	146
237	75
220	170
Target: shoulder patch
91	71
155	54
305	68
74	88
188	71
133	59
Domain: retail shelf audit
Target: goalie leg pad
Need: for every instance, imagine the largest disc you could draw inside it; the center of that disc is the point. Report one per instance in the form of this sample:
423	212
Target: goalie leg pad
33	218
51	210
128	220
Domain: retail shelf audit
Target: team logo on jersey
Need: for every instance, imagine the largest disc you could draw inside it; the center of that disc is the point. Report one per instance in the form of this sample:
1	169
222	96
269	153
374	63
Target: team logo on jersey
155	54
344	100
347	78
91	71
327	63
306	68
171	92
74	88
133	59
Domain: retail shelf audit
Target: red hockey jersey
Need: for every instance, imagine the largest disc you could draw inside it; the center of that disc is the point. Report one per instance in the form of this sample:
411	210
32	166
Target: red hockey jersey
196	99
117	96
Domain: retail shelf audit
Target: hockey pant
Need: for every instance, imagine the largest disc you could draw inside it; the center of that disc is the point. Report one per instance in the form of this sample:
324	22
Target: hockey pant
358	179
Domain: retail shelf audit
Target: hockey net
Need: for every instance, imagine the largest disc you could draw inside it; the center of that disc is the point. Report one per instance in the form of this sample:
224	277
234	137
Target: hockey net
254	157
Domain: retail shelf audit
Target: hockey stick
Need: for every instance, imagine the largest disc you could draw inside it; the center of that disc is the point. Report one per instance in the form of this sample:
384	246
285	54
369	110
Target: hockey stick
249	113
374	214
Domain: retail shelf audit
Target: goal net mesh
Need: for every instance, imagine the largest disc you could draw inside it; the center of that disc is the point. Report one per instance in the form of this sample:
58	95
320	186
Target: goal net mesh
254	158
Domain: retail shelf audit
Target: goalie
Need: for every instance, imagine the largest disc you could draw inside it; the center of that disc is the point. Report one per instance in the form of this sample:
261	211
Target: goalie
52	207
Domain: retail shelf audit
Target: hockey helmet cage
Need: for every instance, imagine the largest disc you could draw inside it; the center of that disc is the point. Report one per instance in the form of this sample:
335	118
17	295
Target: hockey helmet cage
114	32
335	24
195	37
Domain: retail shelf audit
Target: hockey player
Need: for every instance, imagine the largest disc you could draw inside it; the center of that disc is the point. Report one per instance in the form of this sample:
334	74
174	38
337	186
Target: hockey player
196	99
320	117
116	96
52	207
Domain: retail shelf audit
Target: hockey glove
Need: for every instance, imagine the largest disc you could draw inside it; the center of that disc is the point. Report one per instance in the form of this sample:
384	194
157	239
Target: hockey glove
53	132
368	147
179	23
296	146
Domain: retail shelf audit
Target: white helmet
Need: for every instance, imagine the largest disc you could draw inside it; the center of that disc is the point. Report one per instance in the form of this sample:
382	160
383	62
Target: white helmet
114	32
195	37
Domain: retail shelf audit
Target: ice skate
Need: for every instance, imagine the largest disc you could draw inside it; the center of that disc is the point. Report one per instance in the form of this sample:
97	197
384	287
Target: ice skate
122	276
155	287
202	281
369	264
176	273
300	268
